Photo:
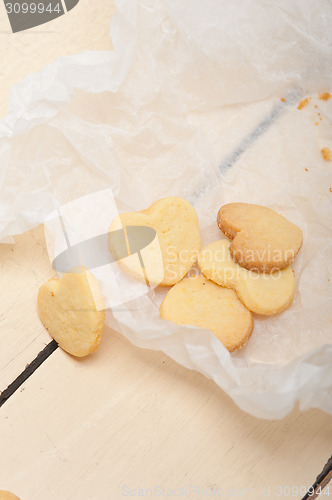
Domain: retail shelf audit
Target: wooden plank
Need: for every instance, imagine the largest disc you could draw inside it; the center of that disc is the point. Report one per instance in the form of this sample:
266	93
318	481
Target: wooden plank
126	419
24	266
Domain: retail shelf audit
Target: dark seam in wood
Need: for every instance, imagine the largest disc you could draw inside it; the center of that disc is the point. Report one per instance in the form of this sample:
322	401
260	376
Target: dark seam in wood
29	370
321	481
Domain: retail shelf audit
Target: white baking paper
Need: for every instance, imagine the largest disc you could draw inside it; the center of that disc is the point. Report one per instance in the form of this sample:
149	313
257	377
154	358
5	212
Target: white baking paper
199	100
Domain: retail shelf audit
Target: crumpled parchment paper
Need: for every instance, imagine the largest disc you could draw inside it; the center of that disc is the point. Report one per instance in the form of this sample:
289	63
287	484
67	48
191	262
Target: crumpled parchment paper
199	100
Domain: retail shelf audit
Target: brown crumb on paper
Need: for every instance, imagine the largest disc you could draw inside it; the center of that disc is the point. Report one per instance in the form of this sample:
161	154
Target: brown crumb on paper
283	99
324	96
306	170
303	103
330	190
326	154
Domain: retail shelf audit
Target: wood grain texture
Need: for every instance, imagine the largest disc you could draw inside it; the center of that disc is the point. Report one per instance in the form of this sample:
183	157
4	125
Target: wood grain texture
85	27
123	419
24	267
126	419
130	418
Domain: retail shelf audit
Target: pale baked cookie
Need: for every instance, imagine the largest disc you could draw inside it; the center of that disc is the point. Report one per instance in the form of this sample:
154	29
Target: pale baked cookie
164	257
72	311
262	240
261	293
199	302
6	495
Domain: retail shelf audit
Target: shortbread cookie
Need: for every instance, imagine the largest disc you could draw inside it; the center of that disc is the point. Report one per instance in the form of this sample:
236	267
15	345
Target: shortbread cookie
262	240
199	302
169	256
72	311
6	495
261	293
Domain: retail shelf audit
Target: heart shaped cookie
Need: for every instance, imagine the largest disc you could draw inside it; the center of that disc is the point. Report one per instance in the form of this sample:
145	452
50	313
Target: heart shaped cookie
199	302
72	311
169	256
262	240
6	495
261	293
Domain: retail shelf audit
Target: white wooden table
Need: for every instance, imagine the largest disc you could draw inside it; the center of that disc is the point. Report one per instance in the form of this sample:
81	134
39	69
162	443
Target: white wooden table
125	422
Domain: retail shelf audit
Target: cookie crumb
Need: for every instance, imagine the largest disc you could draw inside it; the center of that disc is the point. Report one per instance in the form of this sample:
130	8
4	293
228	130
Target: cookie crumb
306	170
324	96
316	123
283	99
326	154
330	190
303	103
